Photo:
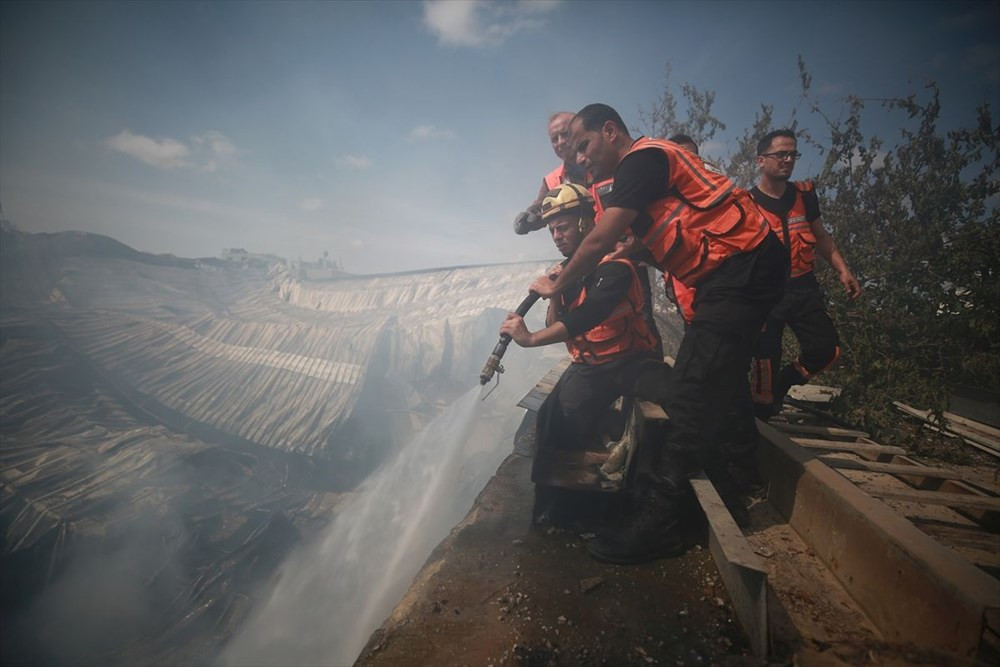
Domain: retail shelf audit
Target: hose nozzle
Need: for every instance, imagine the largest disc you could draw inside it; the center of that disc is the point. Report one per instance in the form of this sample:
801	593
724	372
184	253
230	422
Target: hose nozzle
493	363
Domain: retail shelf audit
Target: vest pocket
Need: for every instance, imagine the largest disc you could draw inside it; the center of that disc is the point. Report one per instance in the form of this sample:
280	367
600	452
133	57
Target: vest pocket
725	221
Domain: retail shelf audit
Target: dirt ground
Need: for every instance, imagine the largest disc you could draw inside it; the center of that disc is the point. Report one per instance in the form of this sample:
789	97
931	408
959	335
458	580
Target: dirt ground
501	591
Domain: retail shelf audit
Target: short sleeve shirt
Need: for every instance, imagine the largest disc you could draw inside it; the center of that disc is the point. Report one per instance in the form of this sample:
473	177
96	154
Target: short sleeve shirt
607	286
641	178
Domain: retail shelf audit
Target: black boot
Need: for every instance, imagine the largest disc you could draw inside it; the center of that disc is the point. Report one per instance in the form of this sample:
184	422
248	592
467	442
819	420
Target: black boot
653	531
742	469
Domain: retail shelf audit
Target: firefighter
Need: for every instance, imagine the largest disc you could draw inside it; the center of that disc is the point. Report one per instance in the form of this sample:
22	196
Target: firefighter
685	142
567	172
599	317
792	211
709	235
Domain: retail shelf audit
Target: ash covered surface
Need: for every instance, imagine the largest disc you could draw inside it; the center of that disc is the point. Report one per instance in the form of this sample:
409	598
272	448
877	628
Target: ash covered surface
503	591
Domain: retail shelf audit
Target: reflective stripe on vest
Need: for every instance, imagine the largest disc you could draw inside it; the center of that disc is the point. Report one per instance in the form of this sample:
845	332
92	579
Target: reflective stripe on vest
795	231
599	191
703	221
623	332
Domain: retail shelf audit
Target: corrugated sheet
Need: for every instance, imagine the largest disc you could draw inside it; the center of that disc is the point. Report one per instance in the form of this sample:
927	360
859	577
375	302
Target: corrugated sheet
270	359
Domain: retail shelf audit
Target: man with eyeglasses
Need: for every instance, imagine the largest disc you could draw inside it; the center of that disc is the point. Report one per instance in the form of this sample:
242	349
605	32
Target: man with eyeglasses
792	211
710	235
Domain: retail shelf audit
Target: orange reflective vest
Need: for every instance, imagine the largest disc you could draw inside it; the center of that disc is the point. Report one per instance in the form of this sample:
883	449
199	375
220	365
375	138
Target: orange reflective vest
703	221
683	297
795	231
599	190
623	332
556	177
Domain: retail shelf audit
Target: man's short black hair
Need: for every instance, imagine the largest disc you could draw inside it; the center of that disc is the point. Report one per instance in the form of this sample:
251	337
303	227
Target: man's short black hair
766	140
681	138
594	116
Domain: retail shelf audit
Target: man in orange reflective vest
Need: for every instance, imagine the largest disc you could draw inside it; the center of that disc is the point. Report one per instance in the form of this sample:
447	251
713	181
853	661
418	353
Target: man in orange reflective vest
792	210
600	319
709	235
682	297
567	172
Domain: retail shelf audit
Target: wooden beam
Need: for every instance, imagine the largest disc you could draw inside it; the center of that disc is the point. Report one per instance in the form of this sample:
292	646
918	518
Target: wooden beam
890	468
741	569
982	436
820	430
987	503
864	449
913	585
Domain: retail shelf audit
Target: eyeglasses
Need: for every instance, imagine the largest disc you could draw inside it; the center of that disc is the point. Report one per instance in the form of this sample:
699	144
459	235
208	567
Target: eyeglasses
782	156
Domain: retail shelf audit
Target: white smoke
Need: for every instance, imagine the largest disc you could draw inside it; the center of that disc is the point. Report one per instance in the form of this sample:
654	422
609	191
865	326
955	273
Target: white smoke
333	593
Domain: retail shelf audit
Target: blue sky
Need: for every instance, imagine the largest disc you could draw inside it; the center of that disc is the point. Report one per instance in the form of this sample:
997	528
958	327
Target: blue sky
407	135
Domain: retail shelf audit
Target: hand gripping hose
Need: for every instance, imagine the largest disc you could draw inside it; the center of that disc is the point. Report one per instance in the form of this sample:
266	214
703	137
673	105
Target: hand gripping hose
493	363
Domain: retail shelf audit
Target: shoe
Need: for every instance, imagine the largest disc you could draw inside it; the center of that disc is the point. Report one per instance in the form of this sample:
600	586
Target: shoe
632	549
746	479
654	531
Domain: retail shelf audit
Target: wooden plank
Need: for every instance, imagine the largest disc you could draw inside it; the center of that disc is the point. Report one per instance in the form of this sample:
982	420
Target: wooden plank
741	569
967	500
977	438
652	411
984	429
854	447
889	468
534	398
968	537
821	430
814	393
913	584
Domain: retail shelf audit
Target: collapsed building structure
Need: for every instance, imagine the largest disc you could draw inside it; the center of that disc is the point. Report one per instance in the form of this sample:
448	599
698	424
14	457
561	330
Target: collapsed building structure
172	427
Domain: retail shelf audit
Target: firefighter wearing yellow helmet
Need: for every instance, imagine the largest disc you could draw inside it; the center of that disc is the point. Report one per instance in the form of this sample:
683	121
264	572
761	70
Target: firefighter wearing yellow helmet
600	320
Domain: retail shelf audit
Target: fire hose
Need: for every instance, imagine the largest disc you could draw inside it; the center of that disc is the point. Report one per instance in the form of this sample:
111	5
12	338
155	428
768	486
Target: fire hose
493	363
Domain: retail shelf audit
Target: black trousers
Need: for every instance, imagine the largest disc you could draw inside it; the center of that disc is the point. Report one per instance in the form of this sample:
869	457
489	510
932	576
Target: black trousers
708	397
571	416
803	309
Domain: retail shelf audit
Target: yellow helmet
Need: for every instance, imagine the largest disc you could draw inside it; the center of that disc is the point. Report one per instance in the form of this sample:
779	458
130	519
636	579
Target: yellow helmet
568	198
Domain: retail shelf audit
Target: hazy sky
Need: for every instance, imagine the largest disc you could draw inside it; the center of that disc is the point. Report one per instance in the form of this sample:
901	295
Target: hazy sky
403	135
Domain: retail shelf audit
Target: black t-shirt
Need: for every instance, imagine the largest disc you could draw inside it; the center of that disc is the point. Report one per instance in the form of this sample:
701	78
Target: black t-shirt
641	178
782	205
607	286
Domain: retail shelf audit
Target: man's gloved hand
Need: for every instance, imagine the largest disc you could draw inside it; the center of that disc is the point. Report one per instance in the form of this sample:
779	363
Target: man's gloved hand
528	221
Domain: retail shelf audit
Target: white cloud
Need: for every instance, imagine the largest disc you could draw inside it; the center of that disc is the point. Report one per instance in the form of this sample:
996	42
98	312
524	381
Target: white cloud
429	133
354	162
311	204
479	23
214	149
357	243
207	151
162	153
